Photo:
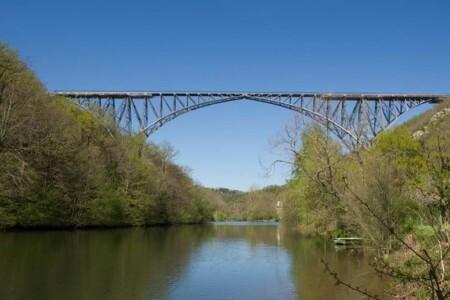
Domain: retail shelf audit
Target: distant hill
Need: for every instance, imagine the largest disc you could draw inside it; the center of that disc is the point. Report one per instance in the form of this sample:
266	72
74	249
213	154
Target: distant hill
245	206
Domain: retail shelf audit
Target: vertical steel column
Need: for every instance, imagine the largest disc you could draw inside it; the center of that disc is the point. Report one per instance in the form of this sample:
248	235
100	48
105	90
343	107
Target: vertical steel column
402	106
129	119
390	104
160	106
376	112
344	113
328	106
146	112
365	117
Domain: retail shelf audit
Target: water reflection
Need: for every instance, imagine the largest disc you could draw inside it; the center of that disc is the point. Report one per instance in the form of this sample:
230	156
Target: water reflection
110	264
239	262
308	271
187	262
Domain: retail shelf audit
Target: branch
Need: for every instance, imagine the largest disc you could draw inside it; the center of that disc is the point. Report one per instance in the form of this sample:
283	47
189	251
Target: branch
353	288
389	228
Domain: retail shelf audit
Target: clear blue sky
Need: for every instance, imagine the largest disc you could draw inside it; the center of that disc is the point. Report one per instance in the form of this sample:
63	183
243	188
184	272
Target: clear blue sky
208	45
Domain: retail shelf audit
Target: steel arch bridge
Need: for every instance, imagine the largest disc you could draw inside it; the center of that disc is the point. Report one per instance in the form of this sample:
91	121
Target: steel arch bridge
354	118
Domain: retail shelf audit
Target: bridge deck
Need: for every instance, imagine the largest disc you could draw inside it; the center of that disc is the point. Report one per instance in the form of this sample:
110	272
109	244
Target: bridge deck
434	98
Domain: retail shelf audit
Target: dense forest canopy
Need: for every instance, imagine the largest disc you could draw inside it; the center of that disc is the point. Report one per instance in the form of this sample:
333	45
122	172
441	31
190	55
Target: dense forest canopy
64	167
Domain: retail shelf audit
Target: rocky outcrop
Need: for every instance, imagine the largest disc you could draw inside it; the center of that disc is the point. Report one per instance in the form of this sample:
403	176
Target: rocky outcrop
438	116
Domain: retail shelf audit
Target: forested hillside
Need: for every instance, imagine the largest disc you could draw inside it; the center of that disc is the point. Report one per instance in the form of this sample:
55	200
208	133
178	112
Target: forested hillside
61	166
395	194
254	205
406	167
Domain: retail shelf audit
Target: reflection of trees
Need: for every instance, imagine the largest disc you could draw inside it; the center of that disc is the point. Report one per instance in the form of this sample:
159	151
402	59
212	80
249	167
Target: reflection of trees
308	272
112	264
145	263
252	234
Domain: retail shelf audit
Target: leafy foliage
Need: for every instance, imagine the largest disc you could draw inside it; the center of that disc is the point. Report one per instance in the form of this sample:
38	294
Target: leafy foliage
395	195
62	166
254	205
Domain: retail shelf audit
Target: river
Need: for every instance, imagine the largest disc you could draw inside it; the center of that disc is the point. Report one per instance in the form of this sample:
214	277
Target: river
235	260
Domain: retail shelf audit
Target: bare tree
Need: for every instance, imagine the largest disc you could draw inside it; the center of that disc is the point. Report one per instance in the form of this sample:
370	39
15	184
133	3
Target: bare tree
367	191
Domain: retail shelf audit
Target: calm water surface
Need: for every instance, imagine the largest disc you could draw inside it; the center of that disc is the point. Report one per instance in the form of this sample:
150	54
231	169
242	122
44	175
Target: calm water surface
219	261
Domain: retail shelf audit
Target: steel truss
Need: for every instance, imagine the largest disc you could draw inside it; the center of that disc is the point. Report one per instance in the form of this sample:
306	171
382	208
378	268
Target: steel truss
354	118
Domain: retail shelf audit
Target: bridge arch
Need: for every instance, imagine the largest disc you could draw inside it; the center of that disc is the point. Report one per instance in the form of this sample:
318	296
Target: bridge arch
354	118
314	115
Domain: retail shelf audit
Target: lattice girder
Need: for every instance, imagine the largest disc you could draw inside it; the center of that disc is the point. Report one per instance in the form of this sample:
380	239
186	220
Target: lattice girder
354	118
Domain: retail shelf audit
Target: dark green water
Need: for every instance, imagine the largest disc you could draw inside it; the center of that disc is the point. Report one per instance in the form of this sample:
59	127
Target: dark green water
219	261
